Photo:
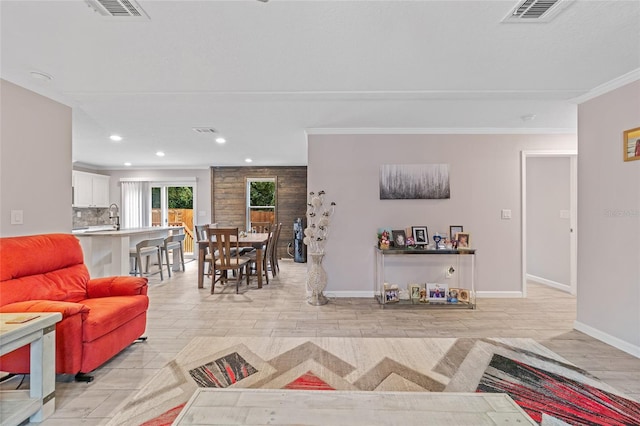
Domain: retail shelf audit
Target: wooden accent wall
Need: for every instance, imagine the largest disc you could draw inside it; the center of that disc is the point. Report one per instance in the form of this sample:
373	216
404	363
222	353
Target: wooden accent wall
228	186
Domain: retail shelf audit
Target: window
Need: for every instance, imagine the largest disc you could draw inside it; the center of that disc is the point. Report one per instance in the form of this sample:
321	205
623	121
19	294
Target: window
261	200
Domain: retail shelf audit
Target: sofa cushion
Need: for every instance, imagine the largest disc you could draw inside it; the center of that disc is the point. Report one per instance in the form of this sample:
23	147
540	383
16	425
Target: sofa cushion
108	313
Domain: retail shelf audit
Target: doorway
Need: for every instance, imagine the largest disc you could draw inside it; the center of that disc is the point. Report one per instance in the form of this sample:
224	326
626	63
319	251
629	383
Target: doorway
172	204
549	219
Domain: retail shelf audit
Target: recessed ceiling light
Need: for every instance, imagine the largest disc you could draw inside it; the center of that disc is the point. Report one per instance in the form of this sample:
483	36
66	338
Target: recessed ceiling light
221	140
127	164
160	154
115	138
248	160
40	76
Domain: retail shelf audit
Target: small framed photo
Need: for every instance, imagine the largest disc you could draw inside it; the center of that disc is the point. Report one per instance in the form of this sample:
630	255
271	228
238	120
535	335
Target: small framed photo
454	230
391	295
414	291
464	240
631	140
463	295
452	295
420	235
437	292
399	238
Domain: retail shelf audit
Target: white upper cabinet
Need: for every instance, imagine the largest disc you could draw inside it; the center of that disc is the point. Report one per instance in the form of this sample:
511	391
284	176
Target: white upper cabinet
90	190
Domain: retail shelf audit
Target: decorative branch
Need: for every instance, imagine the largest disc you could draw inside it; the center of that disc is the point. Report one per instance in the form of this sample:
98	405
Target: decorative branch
318	218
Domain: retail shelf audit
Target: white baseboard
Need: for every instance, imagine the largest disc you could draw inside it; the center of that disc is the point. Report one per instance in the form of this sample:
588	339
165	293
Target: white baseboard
479	294
340	294
550	283
499	294
608	339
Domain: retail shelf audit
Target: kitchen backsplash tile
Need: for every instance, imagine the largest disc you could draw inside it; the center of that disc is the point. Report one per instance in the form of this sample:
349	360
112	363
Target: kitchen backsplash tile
90	217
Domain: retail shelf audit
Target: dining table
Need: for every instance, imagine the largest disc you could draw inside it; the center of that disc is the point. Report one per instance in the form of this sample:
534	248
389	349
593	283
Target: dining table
257	240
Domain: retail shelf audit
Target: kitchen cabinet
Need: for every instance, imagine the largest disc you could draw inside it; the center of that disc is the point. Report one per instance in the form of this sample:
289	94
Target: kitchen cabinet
90	190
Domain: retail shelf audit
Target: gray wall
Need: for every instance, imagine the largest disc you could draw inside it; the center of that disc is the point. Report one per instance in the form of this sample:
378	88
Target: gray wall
35	162
609	220
548	233
485	178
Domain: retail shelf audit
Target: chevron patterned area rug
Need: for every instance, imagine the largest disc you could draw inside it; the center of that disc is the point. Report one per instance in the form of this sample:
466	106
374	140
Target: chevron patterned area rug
550	389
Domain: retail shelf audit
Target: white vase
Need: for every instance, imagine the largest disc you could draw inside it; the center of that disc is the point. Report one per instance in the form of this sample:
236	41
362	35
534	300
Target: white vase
317	280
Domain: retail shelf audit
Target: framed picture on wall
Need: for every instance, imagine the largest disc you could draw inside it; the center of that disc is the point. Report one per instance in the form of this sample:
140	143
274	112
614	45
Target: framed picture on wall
420	235
631	144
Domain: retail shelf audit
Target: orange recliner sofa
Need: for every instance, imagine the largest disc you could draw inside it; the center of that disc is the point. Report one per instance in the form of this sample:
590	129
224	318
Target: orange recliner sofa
100	317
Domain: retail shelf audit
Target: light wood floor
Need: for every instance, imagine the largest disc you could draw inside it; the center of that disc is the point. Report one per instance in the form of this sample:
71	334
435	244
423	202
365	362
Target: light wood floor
179	311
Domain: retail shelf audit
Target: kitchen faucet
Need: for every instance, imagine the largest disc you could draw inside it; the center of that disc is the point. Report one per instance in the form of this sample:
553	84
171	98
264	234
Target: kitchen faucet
113	214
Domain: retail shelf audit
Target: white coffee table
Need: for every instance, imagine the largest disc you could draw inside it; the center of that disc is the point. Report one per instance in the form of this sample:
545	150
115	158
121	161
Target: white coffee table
235	406
38	402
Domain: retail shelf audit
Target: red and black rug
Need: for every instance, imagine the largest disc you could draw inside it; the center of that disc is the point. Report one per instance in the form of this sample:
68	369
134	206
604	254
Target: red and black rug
550	389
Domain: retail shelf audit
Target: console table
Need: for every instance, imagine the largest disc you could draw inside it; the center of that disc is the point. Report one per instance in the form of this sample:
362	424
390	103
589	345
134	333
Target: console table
38	330
406	267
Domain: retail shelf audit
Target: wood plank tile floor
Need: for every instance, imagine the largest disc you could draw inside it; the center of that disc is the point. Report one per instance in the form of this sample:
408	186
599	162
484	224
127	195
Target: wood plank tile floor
179	311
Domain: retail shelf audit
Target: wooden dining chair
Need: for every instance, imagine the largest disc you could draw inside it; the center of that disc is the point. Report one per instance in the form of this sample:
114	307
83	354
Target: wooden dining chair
265	256
261	227
224	242
273	257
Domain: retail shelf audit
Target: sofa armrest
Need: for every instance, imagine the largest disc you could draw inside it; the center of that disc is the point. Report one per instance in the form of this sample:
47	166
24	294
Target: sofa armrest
67	309
116	286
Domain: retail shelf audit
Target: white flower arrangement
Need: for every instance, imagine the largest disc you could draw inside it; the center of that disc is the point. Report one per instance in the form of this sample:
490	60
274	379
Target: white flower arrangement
318	218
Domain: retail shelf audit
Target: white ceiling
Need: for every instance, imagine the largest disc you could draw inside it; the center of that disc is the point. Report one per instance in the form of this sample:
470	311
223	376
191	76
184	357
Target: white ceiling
264	73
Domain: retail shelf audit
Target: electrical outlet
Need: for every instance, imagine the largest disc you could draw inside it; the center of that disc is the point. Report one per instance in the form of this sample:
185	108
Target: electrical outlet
449	272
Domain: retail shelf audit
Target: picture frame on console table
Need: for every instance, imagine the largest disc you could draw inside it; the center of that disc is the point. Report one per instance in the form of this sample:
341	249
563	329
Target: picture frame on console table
463	295
437	292
464	240
420	235
631	147
454	230
399	238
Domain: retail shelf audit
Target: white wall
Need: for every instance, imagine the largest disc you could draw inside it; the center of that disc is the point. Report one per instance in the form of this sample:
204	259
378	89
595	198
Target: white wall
484	177
609	220
202	208
35	162
548	182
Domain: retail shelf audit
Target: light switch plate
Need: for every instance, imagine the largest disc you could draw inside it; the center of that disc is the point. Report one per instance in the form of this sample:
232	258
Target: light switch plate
506	214
17	217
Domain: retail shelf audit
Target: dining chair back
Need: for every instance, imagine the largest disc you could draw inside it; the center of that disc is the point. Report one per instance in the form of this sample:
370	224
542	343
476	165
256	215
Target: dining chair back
273	256
224	242
261	227
147	248
265	255
174	242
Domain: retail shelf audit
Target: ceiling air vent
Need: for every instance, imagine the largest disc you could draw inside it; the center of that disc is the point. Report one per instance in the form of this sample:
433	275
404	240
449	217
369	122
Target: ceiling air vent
204	130
536	10
118	8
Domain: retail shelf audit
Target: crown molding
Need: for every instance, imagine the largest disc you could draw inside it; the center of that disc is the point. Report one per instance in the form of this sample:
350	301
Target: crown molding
609	86
438	131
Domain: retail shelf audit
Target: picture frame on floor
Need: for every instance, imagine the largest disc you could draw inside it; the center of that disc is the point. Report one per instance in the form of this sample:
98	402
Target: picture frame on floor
463	295
437	292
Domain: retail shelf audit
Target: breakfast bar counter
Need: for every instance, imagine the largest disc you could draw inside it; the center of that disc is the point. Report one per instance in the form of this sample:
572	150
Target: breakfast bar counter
106	253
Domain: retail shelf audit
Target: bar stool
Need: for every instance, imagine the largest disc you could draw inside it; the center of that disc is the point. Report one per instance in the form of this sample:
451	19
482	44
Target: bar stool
147	248
173	242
